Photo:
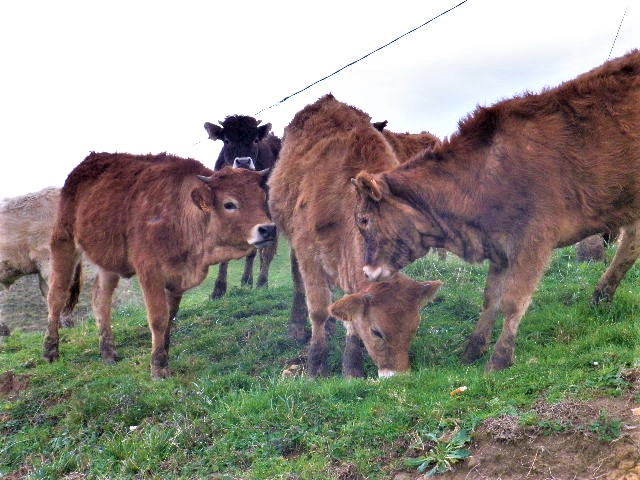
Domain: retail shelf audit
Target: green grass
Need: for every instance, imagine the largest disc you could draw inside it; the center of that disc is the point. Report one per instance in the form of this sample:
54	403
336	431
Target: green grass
227	413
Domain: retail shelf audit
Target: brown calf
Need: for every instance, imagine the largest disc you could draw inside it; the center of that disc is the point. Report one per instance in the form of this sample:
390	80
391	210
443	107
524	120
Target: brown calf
517	180
163	218
325	144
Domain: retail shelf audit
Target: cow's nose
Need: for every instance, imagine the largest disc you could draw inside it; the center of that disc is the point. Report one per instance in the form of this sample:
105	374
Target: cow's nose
267	231
244	162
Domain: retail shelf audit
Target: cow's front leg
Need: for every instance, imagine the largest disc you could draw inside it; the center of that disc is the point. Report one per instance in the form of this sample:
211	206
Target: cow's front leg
352	358
101	296
247	275
479	339
266	256
220	287
626	255
297	324
520	281
157	306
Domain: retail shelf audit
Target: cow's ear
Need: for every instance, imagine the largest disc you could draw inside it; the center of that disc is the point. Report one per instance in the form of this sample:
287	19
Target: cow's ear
380	125
367	185
263	130
214	131
348	306
428	290
203	197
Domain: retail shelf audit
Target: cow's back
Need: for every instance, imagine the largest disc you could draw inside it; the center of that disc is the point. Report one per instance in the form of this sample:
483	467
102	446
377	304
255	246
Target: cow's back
323	147
25	228
108	195
406	145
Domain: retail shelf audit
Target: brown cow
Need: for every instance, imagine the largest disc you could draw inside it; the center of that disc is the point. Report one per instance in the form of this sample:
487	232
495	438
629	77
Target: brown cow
517	180
406	145
161	217
311	206
25	229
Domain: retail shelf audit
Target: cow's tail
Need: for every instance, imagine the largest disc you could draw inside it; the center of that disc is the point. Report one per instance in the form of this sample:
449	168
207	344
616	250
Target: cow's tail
74	291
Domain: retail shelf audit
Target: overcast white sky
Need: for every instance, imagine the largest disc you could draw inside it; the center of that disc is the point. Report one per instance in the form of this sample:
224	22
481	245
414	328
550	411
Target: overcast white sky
143	76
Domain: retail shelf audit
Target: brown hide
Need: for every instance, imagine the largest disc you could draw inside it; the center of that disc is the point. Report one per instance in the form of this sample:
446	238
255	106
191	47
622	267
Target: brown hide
517	180
406	145
25	229
152	216
311	205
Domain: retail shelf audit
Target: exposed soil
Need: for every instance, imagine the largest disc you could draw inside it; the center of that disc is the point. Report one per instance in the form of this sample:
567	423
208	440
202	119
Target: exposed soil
22	306
502	448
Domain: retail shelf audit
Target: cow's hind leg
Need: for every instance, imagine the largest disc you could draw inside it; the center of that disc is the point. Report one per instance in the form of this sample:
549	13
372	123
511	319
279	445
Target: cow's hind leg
626	255
477	345
220	287
158	309
103	287
266	256
64	258
173	300
520	281
296	326
247	275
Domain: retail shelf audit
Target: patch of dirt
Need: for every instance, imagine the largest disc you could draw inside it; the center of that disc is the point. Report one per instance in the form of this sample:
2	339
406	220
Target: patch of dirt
501	448
11	384
22	306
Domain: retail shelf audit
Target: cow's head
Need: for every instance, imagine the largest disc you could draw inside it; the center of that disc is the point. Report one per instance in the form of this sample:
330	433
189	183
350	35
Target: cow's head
241	136
395	232
235	202
386	316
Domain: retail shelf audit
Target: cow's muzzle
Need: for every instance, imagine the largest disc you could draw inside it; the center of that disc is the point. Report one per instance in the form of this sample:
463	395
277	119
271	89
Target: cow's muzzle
244	162
263	235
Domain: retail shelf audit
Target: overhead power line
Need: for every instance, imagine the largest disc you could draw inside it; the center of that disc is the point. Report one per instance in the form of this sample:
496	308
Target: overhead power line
618	32
363	57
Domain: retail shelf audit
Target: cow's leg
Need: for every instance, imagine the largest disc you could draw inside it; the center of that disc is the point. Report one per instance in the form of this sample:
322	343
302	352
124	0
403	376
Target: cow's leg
155	299
318	297
296	326
520	281
220	287
247	275
266	257
173	300
352	366
64	258
101	296
479	339
626	255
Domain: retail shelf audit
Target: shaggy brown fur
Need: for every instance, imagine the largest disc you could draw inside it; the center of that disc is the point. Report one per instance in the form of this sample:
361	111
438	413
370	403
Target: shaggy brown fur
25	229
244	137
517	180
161	217
311	207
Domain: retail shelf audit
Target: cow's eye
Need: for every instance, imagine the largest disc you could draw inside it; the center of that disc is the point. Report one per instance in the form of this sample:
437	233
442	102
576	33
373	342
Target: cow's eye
363	221
377	333
228	205
256	141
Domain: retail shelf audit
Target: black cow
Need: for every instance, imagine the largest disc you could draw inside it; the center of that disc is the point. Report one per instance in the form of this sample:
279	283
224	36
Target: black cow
247	144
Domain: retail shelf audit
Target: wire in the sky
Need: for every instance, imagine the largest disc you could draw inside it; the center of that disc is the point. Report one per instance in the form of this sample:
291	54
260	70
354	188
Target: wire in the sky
364	56
618	32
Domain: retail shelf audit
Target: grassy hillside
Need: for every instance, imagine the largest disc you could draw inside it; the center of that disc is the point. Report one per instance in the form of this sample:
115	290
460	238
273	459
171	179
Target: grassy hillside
227	412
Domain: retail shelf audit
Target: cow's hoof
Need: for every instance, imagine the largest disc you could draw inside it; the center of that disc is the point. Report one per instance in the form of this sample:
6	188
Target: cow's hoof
158	373
474	350
298	333
246	282
51	355
218	293
499	362
600	296
110	358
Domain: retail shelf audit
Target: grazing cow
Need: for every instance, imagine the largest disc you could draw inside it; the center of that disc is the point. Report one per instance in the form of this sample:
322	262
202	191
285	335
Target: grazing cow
25	229
163	218
311	206
247	144
517	180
